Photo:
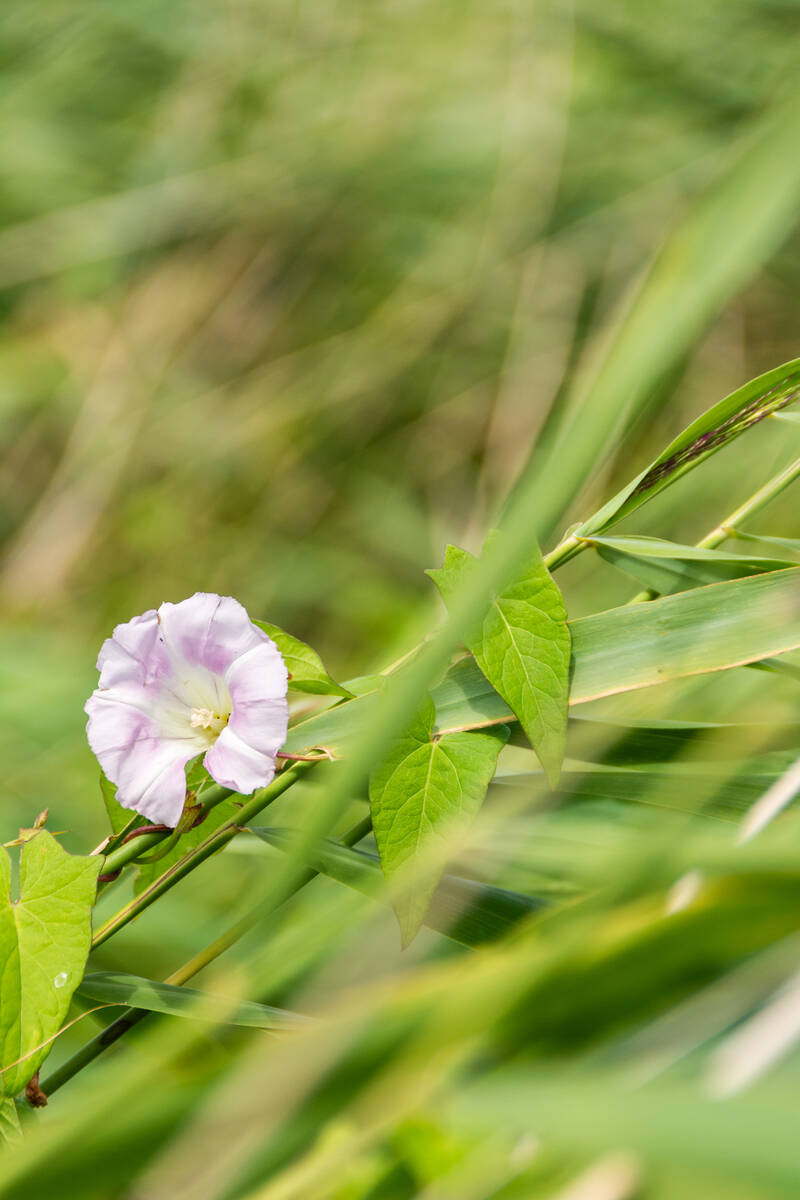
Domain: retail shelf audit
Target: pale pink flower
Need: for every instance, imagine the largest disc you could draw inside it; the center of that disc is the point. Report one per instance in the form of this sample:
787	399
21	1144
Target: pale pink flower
192	678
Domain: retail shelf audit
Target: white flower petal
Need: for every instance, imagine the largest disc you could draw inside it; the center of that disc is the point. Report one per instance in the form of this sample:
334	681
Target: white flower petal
133	653
235	765
260	674
147	767
257	683
153	781
113	730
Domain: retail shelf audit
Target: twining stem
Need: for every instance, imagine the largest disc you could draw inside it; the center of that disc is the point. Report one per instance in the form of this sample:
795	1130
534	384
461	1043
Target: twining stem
218	838
132	1016
127	848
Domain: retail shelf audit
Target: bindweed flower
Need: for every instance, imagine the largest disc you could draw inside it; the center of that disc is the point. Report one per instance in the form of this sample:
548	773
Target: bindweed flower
192	678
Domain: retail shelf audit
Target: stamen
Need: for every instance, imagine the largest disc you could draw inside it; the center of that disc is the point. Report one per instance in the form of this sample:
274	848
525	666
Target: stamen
206	718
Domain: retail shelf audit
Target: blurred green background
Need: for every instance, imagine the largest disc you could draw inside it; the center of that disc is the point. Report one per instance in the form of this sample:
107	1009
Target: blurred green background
287	293
289	289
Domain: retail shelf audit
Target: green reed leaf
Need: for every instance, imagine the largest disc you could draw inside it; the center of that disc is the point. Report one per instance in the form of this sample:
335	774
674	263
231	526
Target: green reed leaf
714	429
706	629
112	987
466	910
790	544
668	567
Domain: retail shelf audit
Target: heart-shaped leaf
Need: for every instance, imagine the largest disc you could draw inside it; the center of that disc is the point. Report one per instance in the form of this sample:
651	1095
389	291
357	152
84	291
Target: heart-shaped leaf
419	795
523	649
44	943
119	818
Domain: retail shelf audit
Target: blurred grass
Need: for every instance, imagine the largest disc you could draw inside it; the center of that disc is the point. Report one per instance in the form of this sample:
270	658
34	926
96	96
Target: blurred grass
286	294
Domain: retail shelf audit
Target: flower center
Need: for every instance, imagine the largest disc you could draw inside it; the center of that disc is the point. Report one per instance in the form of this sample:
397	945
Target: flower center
212	722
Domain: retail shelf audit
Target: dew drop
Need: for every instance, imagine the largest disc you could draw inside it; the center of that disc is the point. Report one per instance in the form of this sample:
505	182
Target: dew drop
60	979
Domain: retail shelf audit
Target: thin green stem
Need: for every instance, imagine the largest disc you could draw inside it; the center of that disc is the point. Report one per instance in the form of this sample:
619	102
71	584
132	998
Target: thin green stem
566	549
760	499
215	841
132	1016
126	851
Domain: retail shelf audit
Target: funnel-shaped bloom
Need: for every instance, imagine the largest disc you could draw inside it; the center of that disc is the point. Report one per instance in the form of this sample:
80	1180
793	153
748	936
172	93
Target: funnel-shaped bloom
193	677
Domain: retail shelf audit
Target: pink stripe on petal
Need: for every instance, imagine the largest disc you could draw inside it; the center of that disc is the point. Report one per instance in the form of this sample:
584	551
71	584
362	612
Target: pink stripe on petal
147	768
113	730
234	764
208	630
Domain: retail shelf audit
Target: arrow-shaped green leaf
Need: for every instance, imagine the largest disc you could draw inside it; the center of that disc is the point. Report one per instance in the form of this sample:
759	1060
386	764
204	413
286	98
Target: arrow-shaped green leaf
523	649
418	796
44	943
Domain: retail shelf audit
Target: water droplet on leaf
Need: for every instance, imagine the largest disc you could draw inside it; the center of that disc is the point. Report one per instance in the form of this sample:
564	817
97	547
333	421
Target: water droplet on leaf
60	979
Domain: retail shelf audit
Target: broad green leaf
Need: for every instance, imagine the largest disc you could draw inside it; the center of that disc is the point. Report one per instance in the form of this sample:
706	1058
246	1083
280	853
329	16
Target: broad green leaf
717	427
523	649
306	670
465	910
111	987
44	943
419	794
668	567
706	629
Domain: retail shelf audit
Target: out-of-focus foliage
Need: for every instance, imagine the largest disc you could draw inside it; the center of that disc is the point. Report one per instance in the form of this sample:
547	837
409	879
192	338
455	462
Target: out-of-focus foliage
287	294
